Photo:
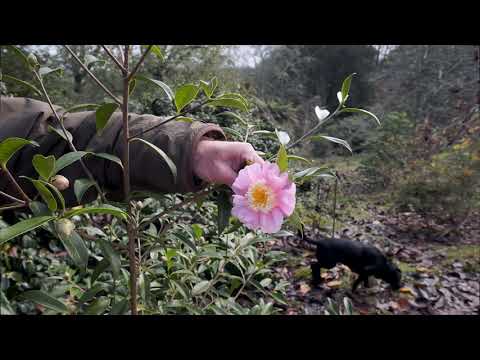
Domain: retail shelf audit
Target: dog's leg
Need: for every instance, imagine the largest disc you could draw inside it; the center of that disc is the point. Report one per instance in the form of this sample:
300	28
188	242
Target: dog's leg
365	282
316	278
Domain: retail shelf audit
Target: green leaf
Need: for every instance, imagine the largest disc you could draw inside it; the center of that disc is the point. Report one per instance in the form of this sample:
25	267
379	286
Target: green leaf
90	60
131	86
332	139
235	134
56	192
299	158
10	146
76	248
100	268
120	307
160	84
20	54
296	221
185	95
112	257
160	152
81	107
23	227
5	307
90	293
105	209
265	132
39	209
308	173
8	78
197	231
185	240
283	137
157	52
45	194
184	119
98	306
200	288
103	114
60	133
44	165
229	102
224	206
80	187
42	298
355	110
209	87
282	159
346	87
68	159
235	116
109	157
44	71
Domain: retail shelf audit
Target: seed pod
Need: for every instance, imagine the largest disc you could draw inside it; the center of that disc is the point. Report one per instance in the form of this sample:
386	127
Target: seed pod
60	182
64	227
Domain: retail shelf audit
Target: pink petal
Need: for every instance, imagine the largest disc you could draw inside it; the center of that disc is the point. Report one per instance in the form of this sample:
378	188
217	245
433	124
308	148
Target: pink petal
271	222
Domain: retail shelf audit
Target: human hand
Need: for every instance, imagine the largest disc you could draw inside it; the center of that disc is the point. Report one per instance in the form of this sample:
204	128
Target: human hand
220	161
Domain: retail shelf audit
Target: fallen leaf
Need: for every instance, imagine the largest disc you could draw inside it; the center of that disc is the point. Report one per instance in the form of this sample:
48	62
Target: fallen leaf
407	290
403	303
423	269
304	288
334	283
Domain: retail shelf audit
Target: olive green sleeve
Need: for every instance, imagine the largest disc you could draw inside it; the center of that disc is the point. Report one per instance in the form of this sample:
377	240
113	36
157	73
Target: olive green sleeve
149	172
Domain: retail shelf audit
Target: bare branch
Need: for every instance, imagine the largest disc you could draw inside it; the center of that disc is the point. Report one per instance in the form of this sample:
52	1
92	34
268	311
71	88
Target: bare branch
135	69
93	76
18	187
12	198
115	60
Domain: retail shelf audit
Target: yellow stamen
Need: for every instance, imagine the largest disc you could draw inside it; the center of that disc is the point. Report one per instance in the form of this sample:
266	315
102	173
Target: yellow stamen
260	197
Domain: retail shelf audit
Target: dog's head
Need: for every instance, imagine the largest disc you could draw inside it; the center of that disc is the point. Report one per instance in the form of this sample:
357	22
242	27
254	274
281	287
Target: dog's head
393	276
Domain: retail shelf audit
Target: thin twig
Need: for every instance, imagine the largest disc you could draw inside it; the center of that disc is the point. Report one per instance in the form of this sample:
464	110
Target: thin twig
135	69
169	119
115	60
334	206
18	187
175	207
14	206
69	142
12	198
99	83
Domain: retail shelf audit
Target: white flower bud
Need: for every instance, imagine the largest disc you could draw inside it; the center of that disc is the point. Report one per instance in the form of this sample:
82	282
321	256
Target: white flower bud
64	227
60	182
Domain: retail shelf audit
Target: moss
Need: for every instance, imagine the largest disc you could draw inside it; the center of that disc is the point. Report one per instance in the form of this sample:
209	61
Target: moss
463	253
303	273
406	267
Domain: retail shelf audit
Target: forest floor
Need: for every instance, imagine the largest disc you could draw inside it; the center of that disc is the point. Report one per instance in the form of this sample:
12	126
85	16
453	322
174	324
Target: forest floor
440	272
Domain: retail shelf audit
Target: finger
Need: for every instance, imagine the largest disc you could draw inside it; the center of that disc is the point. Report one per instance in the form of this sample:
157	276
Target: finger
225	175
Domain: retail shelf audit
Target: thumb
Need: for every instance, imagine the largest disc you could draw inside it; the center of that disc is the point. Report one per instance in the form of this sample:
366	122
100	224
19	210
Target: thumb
225	175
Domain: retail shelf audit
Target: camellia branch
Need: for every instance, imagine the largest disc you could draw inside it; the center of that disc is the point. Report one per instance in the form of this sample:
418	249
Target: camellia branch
135	69
115	60
118	101
13	206
131	230
69	142
12	198
170	119
17	186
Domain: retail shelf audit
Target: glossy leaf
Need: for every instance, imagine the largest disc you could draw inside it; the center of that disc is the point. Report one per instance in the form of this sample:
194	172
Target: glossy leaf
98	306
112	257
229	103
60	133
299	158
90	60
346	86
44	299
282	159
184	119
76	248
157	52
200	288
80	187
105	209
44	192
332	139
44	71
160	84
170	163
235	116
44	166
184	95
10	146
8	78
23	227
103	115
58	194
131	86
103	265
224	206
68	159
355	110
109	157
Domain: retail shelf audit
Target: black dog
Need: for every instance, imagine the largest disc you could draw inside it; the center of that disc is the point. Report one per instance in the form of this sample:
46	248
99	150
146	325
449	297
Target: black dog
365	260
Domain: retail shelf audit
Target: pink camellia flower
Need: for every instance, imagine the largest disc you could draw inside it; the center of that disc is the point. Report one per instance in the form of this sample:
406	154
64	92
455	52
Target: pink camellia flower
263	197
